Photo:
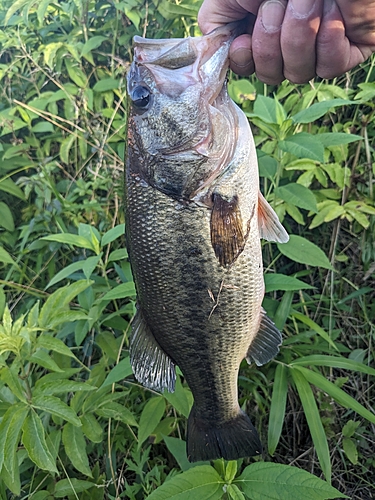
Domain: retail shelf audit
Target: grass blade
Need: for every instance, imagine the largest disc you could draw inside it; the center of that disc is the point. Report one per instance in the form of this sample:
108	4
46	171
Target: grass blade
334	362
277	410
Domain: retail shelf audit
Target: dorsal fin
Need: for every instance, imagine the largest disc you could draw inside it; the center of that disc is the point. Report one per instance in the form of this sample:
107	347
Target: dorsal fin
266	343
270	228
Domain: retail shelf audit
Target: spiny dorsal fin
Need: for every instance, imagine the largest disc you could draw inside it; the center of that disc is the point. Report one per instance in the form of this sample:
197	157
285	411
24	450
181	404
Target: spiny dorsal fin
266	343
270	228
151	366
227	236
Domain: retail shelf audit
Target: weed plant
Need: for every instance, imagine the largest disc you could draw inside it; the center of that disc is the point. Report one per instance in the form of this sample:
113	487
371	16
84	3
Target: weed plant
74	423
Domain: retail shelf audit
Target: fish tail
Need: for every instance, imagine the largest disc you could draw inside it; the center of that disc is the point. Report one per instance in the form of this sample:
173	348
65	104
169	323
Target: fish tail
233	439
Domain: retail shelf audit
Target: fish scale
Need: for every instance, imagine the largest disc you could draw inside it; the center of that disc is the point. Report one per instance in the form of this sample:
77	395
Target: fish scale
194	218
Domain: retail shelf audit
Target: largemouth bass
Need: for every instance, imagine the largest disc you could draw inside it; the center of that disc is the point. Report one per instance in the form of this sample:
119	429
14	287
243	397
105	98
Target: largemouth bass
194	219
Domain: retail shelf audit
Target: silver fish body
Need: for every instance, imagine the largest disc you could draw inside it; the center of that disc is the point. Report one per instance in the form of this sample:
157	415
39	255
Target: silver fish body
194	219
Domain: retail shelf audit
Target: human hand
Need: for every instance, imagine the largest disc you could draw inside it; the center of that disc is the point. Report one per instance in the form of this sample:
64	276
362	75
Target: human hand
295	39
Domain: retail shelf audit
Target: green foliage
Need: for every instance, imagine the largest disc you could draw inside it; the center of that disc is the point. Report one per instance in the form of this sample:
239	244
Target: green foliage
73	421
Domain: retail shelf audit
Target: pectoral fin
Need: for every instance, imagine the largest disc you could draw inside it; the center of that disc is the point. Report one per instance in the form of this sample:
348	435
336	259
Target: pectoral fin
151	366
227	235
270	228
266	343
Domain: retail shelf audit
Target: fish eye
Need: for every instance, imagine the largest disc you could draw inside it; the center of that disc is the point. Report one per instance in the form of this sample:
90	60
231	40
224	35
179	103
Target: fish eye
141	97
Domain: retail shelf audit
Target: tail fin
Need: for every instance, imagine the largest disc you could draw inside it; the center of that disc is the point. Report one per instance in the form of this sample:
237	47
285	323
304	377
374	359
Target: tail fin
231	440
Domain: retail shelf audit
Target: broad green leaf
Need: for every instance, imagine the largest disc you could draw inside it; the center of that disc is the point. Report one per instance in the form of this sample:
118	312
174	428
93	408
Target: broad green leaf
118	412
314	326
268	481
119	254
14	484
304	251
151	415
265	109
318	110
171	10
106	84
69	487
34	440
297	195
65	148
17	5
49	53
92	44
71	239
75	447
267	165
5	258
122	370
314	421
350	449
6	221
274	281
42	358
181	399
10	430
283	310
350	428
9	375
66	272
178	449
62	387
54	344
113	234
75	73
234	493
42	7
241	90
337	138
56	407
335	392
333	361
43	127
9	186
201	482
91	428
277	409
121	291
303	145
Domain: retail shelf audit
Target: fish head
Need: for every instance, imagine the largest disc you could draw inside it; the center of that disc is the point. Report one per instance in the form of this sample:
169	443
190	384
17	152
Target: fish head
173	85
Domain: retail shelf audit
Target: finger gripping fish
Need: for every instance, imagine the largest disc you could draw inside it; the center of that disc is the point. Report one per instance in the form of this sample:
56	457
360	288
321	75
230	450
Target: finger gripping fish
194	219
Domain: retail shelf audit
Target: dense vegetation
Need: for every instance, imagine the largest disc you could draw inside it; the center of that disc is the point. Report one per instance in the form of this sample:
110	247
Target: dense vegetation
74	422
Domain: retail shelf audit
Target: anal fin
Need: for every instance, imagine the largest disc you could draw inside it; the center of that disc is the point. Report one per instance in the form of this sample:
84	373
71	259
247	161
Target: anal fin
152	367
266	343
270	228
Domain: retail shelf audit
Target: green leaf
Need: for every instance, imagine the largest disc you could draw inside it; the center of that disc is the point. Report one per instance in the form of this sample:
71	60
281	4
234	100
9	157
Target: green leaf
11	378
267	165
65	148
92	44
75	447
75	73
66	272
201	482
121	291
181	399
274	281
42	7
42	358
106	84
318	110
91	428
56	407
34	440
118	412
6	221
297	195
113	234
43	127
241	90
62	387
10	430
9	186
277	409
350	428
304	145
54	344
314	422
122	370
333	361
13	9
177	447
337	138
70	487
5	258
70	239
350	449
314	326
234	493
265	109
267	481
151	415
303	251
335	392
171	10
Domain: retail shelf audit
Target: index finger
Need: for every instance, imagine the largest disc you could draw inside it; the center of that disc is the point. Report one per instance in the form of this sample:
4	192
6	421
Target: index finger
215	13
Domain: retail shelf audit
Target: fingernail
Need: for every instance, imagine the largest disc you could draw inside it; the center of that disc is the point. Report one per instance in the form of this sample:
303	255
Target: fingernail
242	57
302	7
272	15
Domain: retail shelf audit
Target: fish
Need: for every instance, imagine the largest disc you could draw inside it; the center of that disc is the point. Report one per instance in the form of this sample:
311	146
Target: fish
194	218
